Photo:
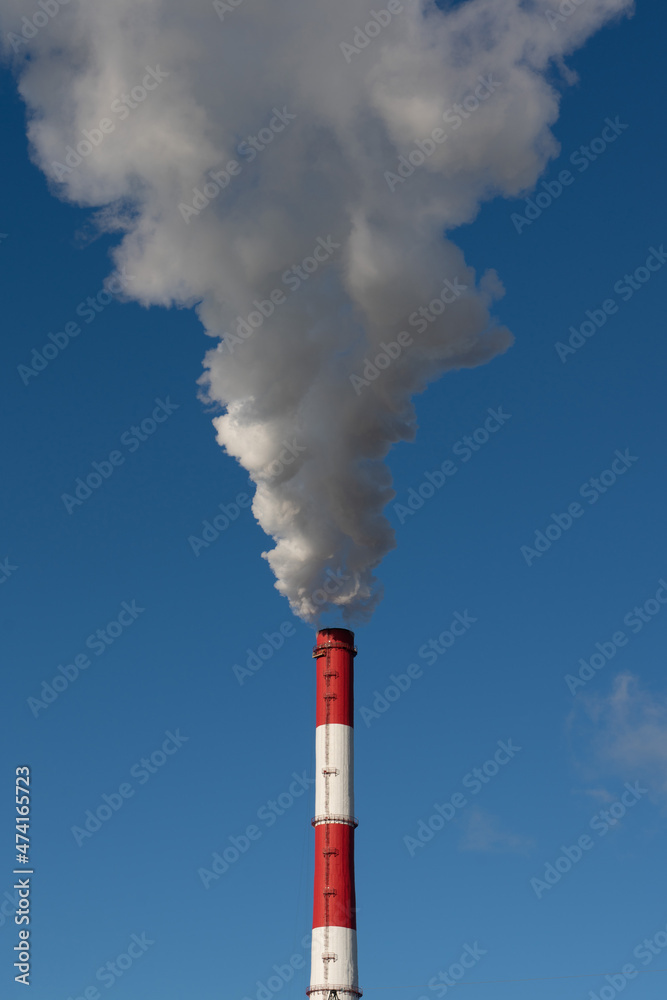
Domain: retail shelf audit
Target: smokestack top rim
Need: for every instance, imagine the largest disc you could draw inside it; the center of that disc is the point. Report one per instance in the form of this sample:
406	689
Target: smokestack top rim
334	638
336	634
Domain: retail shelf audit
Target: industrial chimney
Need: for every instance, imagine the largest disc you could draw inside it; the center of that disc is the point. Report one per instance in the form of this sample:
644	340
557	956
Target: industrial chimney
333	968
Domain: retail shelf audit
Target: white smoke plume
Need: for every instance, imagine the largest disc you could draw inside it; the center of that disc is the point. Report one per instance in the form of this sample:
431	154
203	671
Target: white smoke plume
166	90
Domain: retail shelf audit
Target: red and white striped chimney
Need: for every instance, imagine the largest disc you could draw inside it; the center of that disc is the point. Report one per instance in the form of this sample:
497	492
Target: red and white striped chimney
333	968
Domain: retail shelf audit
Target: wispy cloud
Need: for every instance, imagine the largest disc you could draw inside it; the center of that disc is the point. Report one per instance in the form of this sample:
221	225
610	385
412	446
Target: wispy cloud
624	733
485	834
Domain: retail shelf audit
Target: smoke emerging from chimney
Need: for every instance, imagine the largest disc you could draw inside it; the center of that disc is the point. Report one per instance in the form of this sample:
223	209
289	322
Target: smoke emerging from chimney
282	168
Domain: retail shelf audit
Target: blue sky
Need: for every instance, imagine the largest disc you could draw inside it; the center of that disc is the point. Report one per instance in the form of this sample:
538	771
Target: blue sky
168	667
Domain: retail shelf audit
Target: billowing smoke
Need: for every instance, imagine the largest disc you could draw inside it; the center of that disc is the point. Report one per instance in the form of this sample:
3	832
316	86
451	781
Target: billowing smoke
290	169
